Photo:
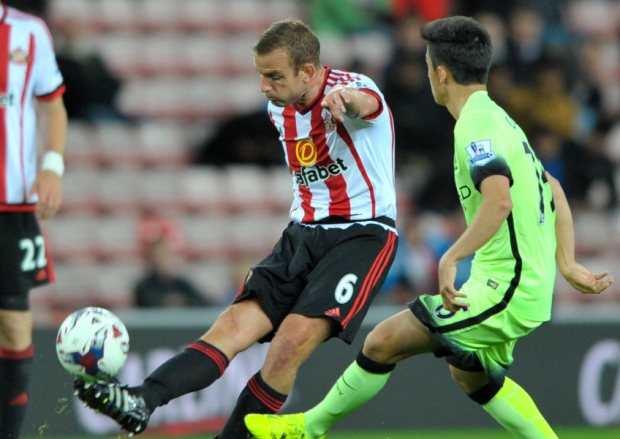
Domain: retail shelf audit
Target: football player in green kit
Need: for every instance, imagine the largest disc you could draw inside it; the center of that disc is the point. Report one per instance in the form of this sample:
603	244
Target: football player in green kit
520	229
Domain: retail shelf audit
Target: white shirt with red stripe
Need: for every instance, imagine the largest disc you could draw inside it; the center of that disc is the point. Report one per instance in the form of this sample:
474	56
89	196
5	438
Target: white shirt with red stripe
339	169
28	69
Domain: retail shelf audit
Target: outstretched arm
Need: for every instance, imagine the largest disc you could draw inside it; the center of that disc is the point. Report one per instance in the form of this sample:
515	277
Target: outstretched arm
349	101
576	274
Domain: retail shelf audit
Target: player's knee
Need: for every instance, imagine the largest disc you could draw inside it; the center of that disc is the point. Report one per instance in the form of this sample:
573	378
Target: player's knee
469	381
229	333
486	392
377	345
15	330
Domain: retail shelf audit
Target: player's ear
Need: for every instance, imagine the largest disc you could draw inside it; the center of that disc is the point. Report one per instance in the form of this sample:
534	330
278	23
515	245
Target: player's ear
307	72
442	74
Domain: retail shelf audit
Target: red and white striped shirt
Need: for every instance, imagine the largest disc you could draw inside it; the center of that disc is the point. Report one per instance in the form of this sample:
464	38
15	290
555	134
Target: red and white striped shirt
28	69
339	169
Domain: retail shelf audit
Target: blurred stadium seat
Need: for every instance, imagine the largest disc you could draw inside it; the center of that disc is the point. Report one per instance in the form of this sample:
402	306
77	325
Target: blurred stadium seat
208	235
117	238
121	51
72	237
202	189
117	14
80	190
244	188
215	277
80	147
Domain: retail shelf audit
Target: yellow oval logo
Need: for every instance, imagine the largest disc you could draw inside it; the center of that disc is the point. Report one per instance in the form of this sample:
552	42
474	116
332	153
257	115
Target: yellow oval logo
306	152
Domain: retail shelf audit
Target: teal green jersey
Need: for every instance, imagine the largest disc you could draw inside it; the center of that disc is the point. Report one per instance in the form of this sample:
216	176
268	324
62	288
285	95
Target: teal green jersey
519	261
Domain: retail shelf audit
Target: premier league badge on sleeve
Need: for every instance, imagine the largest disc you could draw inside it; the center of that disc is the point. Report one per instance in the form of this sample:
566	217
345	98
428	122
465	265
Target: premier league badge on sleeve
480	153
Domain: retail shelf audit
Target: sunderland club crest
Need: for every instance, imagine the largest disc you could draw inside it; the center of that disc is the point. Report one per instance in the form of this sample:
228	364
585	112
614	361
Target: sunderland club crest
328	122
19	56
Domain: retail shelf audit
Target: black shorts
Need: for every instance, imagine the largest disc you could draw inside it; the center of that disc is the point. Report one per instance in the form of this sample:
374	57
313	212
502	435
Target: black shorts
24	260
323	272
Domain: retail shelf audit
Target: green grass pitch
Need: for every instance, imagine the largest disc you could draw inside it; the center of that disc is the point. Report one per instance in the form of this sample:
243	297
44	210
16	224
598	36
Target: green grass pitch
563	433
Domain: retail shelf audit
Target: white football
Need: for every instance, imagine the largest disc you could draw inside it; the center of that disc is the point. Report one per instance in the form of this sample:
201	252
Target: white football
92	344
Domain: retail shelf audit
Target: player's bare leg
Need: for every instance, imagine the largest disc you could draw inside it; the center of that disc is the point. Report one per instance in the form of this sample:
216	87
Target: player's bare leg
238	327
470	382
297	337
399	337
15	329
393	340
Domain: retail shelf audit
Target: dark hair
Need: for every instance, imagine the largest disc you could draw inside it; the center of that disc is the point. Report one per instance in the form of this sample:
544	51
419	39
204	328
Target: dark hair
296	37
462	45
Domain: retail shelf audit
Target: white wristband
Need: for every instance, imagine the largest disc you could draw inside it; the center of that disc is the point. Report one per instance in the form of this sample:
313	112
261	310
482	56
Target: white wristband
53	161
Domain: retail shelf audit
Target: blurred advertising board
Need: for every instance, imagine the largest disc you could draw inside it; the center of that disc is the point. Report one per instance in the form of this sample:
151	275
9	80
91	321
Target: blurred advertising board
572	370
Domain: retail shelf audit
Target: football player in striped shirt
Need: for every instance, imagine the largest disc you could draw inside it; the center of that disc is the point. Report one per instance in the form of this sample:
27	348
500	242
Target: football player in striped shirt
29	82
318	282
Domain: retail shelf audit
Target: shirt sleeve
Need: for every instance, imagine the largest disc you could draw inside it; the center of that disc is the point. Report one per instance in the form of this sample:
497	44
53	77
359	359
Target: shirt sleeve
47	79
367	85
484	150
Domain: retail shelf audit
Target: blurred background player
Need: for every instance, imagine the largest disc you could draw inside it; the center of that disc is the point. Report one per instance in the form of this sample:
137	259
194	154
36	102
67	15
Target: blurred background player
29	71
92	88
163	285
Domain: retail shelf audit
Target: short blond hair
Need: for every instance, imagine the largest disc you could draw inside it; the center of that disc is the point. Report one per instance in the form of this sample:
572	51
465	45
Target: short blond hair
295	37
